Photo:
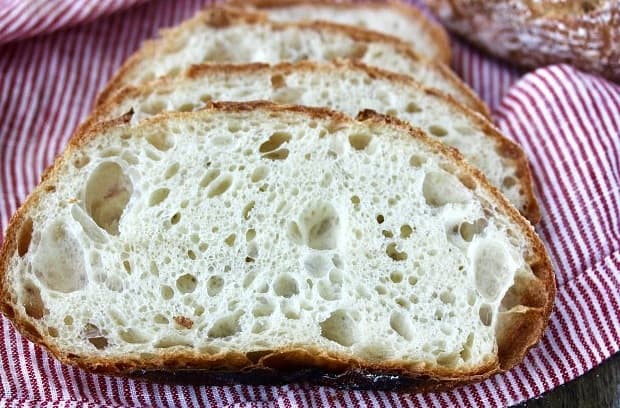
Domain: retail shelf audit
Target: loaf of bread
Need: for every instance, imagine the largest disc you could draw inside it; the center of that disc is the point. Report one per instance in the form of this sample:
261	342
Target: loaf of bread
346	87
394	17
585	34
251	242
226	35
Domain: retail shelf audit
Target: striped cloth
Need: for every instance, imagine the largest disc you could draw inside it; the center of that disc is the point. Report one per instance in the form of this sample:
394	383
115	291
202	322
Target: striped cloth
568	123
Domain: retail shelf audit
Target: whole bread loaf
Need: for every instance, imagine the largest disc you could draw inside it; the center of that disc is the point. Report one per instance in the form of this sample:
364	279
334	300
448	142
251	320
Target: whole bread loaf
396	18
346	87
251	242
585	34
228	35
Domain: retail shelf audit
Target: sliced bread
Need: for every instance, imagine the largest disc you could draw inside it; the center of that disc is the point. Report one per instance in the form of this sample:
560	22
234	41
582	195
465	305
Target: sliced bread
261	243
346	87
395	18
226	35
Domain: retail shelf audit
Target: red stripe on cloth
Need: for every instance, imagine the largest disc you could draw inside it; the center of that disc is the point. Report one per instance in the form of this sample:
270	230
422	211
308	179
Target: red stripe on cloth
567	122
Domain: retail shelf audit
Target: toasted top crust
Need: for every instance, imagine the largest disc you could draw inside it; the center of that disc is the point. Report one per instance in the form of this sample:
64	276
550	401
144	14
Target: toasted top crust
526	307
538	33
222	17
441	45
505	147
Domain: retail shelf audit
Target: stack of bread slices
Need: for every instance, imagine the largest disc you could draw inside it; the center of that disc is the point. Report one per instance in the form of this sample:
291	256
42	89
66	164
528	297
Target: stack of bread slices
285	190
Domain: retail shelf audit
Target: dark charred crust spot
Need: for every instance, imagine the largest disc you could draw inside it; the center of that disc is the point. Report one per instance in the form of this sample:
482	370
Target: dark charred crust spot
184	321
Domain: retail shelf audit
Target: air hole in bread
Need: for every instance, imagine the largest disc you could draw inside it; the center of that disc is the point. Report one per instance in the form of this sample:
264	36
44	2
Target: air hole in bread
166	292
339	327
509	182
401	324
405	231
158	196
358	51
81	161
275	141
402	302
278	81
95	336
413	107
328	291
171	171
24	236
108	191
133	336
319	227
441	188
68	320
391	112
466	352
438	131
447	297
214	285
220	185
359	141
209	177
381	290
176	217
285	286
59	262
417	160
225	326
317	265
493	269
160	319
230	240
159	140
186	283
127	266
191	254
468	230
172	341
187	107
336	276
32	301
393	252
263	307
396	276
448	360
486	314
173	71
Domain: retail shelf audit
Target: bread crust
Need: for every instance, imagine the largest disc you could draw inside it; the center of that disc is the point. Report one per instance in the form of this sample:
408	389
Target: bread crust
221	17
307	364
434	30
585	34
508	149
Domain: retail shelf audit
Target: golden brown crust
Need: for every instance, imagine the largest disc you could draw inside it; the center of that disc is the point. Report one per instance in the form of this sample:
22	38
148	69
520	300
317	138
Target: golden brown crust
434	30
405	375
509	150
220	17
538	33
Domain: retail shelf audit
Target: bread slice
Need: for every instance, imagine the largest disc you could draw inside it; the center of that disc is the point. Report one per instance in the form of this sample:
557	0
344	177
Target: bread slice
225	35
259	243
396	18
347	87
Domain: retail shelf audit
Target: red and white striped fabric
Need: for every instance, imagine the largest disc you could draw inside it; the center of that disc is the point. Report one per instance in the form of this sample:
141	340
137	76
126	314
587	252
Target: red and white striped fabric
568	123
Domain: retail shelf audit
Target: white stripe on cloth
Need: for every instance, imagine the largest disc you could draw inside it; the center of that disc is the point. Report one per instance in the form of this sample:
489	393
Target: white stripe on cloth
567	122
